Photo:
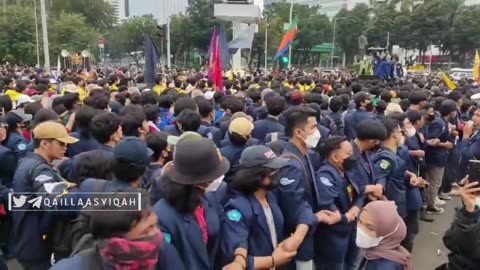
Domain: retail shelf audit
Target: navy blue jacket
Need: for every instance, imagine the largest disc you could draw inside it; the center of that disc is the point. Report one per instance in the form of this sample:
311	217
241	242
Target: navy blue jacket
467	150
84	144
297	193
336	193
266	126
211	132
437	129
184	233
226	141
232	152
324	131
259	113
152	172
8	164
352	119
382	264
167	259
172	130
34	174
17	144
246	227
390	172
414	196
362	174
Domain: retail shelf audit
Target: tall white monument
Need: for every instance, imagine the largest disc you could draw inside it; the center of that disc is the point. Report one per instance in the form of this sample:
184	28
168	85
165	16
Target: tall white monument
241	13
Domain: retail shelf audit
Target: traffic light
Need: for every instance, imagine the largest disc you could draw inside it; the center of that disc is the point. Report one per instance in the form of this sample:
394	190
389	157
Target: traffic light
284	60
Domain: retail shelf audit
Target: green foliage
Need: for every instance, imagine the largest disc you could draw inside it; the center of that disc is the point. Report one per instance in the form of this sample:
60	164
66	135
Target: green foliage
71	32
98	13
130	35
17	36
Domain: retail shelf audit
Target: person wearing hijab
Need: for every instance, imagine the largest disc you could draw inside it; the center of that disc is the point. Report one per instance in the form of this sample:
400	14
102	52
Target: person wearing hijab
380	231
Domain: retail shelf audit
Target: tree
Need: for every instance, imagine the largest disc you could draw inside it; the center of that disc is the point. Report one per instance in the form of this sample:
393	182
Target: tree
129	37
98	13
17	36
350	27
72	33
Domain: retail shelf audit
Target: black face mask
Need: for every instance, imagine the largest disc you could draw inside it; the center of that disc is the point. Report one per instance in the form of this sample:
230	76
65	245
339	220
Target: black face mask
369	107
169	157
274	182
349	163
430	117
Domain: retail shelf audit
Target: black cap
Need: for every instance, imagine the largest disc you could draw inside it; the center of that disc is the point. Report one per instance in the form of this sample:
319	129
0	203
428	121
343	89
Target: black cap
133	150
197	162
17	117
259	155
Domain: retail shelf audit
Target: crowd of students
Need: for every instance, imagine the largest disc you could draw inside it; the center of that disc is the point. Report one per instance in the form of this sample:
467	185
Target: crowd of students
289	170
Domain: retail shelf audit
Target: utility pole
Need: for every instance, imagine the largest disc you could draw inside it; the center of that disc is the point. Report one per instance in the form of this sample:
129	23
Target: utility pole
36	32
266	48
45	35
4	6
333	39
169	64
290	47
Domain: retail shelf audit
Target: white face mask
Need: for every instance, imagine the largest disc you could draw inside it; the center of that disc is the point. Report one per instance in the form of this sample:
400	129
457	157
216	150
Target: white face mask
312	140
215	184
366	241
411	132
402	141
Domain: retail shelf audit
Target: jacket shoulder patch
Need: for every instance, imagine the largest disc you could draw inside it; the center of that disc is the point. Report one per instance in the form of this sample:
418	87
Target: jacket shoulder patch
285	181
326	181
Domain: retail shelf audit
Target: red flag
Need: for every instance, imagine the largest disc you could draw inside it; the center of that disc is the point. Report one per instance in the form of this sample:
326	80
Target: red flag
215	63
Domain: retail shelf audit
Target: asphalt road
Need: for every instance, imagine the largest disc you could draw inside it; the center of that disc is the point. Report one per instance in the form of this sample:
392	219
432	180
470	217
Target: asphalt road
428	251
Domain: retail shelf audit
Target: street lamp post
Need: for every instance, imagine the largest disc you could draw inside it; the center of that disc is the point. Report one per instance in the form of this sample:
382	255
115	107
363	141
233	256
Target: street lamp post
45	35
333	39
266	47
36	32
290	47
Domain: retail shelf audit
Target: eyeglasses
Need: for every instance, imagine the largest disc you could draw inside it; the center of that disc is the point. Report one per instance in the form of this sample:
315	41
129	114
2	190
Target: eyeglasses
3	126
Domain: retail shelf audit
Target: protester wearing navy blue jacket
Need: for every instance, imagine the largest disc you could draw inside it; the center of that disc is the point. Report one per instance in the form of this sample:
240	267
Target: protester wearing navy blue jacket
32	231
125	239
239	133
189	214
380	231
337	192
9	161
390	168
275	106
207	129
298	192
162	153
469	146
437	153
16	121
364	107
253	229
86	142
370	135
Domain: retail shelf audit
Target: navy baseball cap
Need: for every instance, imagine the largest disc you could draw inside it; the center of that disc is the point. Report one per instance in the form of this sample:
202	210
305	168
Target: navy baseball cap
259	155
133	150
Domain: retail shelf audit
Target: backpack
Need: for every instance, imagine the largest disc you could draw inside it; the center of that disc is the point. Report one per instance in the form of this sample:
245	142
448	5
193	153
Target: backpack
72	236
337	126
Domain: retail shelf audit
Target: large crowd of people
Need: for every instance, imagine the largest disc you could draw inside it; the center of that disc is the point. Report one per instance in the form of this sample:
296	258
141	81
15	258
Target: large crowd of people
291	170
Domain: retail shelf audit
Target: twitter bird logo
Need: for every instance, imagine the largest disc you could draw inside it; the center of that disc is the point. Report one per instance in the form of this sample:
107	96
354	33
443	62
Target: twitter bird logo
19	202
36	202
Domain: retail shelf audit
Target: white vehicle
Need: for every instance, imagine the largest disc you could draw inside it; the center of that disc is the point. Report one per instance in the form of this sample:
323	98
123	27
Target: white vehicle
461	73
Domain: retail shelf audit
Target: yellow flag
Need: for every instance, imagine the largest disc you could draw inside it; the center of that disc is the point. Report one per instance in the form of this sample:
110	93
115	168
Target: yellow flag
451	85
476	67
